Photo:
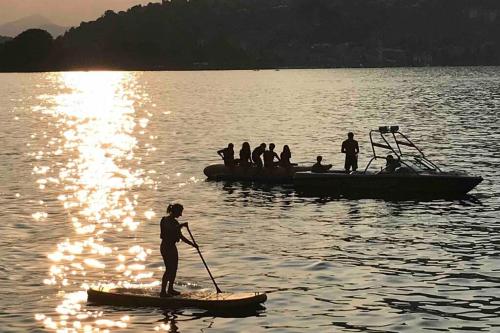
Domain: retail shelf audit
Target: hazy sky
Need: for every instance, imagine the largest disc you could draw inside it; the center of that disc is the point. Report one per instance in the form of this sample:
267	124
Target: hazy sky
63	12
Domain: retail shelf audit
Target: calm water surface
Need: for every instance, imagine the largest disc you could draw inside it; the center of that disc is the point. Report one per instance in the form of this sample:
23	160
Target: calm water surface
90	160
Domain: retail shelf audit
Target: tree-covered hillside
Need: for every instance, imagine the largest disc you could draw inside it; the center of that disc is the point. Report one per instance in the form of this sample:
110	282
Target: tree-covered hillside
182	34
4	39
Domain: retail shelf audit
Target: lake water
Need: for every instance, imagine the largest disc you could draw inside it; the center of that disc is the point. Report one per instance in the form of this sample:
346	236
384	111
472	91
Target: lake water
90	160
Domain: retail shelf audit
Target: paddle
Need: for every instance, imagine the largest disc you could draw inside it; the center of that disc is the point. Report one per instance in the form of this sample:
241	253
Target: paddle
204	263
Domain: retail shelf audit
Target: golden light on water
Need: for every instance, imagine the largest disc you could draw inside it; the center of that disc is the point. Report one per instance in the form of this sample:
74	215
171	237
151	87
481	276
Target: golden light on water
90	163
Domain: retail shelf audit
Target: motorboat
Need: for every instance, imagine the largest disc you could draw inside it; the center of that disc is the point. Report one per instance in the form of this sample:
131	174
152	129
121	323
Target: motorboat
277	175
414	176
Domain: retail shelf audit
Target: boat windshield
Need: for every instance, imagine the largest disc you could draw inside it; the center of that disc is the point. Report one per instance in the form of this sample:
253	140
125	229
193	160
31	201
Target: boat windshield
418	163
407	165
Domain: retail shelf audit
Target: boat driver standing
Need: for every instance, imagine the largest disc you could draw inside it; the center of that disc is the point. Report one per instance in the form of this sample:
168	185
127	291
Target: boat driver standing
351	149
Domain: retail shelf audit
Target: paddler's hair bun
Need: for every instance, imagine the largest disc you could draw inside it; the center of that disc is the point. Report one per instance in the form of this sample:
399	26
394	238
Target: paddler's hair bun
175	208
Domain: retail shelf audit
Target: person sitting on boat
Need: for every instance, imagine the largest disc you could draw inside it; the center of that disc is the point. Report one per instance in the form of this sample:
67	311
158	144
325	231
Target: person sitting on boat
318	167
269	156
392	164
227	155
350	148
256	155
285	157
170	235
245	155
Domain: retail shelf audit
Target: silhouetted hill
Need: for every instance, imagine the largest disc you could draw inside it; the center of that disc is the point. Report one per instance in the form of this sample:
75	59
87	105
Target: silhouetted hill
29	51
14	28
220	34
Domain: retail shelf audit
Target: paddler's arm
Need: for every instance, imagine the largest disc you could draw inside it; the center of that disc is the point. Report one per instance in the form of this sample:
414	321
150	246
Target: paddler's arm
184	239
187	241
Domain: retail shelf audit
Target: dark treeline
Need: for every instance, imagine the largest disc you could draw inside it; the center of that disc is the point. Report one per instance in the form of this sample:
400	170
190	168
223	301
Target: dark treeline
4	39
223	34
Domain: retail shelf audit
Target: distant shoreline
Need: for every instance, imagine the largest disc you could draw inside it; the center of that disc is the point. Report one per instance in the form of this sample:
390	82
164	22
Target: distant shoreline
233	69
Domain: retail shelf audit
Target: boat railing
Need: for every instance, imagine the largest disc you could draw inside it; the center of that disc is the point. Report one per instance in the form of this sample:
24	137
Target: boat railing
394	145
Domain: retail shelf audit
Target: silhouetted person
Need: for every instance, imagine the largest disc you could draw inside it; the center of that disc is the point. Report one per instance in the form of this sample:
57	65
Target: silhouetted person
256	155
269	156
245	155
170	235
285	157
392	164
318	167
351	149
227	155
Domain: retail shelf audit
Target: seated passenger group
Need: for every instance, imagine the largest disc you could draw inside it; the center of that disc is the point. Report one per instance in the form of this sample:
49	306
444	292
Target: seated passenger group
247	158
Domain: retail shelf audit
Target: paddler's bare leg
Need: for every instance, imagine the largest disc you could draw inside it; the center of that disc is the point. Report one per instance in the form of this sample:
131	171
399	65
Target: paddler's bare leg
164	282
171	280
172	271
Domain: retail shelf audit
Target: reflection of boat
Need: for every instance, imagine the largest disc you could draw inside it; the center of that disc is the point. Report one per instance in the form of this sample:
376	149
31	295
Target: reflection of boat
275	175
196	299
416	176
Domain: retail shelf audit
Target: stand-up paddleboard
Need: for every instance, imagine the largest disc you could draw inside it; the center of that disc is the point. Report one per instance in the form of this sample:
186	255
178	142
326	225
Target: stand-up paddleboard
196	299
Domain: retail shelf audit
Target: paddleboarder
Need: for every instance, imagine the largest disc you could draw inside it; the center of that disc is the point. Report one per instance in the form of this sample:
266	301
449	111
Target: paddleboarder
170	235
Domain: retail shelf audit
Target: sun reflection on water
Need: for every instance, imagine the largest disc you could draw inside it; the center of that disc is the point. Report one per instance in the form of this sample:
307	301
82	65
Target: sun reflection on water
90	163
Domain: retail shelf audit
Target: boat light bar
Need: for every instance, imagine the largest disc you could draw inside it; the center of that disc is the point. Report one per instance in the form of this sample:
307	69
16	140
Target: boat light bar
388	129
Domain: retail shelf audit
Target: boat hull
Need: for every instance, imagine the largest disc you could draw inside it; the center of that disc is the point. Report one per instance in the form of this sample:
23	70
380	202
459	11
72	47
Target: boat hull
385	185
